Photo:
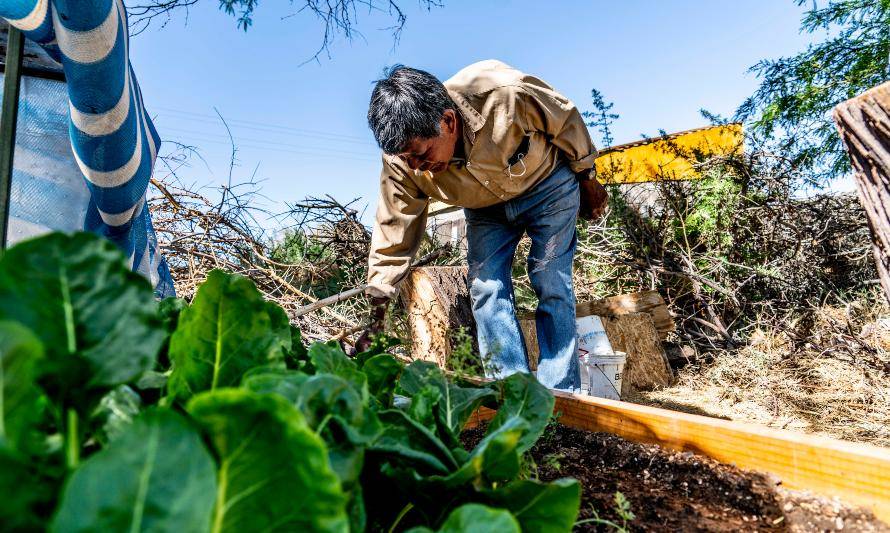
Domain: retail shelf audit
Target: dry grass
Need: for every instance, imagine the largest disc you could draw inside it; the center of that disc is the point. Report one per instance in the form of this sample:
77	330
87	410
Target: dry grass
829	373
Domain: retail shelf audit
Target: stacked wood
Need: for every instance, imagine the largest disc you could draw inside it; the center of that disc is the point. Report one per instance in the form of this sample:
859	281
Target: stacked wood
864	126
437	303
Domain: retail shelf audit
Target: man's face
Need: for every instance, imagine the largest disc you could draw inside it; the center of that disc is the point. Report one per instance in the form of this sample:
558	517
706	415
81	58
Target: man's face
435	153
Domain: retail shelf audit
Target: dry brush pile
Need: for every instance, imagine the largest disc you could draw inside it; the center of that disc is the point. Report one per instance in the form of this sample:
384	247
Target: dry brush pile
323	249
772	286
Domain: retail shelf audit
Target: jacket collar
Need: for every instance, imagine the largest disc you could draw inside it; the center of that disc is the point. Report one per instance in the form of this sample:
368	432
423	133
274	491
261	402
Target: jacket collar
473	120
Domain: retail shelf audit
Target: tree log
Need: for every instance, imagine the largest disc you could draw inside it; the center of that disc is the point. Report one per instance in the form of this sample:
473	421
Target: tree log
437	302
864	126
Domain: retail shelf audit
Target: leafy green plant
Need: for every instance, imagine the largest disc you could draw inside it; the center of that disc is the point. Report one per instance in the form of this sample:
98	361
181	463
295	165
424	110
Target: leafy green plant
122	414
464	359
622	509
554	461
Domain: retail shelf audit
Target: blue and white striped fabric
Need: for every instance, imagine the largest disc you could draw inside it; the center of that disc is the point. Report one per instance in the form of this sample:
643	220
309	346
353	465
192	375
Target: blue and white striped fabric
113	140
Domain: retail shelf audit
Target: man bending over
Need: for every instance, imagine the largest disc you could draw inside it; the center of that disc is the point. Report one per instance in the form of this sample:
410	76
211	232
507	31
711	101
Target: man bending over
517	156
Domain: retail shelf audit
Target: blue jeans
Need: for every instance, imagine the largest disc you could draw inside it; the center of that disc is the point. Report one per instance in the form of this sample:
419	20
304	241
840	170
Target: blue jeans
548	213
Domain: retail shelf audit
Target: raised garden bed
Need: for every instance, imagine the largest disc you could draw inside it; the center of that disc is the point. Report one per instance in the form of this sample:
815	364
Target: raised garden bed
678	491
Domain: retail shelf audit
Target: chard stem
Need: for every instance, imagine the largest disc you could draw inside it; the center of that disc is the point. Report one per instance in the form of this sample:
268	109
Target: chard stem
72	440
323	424
401	515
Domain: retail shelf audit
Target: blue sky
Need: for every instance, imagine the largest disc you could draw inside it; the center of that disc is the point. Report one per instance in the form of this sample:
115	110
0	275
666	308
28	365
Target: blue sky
302	130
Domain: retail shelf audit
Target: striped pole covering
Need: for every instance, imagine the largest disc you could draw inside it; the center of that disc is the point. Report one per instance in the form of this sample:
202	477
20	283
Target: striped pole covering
113	140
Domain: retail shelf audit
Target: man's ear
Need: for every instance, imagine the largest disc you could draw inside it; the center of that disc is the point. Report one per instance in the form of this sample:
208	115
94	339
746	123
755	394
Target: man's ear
449	117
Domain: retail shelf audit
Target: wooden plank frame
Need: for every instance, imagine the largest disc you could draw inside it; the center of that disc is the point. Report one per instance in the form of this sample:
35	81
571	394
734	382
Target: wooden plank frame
857	473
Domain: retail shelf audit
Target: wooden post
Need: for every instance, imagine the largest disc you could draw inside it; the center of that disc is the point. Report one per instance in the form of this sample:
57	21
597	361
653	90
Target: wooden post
437	302
12	75
864	125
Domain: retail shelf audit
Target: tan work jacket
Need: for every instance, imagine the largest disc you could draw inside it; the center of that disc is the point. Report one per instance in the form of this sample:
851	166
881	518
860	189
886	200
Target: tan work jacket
508	116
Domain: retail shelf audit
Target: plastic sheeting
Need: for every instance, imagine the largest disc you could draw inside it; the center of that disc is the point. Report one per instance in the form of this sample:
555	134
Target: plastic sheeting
48	191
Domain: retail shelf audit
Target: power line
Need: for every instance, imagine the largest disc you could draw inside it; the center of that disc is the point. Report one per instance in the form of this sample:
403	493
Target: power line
264	125
329	137
187	142
239	139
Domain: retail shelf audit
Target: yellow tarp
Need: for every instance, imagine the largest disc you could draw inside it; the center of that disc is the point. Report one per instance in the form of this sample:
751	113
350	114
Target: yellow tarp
667	157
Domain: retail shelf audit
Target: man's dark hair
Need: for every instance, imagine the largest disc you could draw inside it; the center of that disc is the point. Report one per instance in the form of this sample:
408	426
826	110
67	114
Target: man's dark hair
407	104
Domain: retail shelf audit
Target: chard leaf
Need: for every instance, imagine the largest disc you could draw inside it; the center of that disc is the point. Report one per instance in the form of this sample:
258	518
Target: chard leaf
169	310
20	407
328	358
296	357
457	403
336	411
281	381
524	397
280	326
544	507
405	442
475	518
97	319
25	493
157	476
325	397
358	516
383	373
274	473
228	329
115	413
496	458
152	380
424	407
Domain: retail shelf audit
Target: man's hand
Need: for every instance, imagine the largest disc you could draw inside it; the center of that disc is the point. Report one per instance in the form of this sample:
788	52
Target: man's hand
594	198
375	327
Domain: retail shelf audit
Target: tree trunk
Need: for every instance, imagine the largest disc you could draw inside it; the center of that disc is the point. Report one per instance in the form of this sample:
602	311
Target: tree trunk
864	125
437	301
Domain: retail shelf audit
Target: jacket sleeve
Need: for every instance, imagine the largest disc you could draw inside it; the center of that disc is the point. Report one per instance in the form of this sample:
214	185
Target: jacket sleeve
399	226
545	110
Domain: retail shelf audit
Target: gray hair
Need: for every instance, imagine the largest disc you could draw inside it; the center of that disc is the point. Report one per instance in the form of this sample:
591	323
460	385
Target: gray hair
406	104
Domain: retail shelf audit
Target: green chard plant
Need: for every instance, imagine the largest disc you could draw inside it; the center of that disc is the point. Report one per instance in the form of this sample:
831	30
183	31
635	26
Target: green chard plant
119	413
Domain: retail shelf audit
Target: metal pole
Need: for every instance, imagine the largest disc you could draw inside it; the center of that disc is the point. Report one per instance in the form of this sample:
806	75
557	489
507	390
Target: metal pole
8	119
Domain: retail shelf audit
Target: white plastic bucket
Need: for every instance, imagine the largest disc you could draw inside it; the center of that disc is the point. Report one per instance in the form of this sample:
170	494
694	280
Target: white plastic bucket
601	367
601	374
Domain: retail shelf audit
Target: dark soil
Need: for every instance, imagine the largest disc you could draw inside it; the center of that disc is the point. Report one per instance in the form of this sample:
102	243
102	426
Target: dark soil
674	491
